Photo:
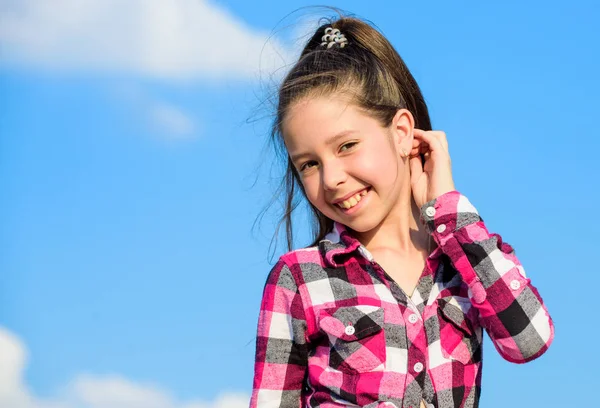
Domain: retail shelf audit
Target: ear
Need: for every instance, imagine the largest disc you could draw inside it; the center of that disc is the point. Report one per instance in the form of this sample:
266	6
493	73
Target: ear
403	125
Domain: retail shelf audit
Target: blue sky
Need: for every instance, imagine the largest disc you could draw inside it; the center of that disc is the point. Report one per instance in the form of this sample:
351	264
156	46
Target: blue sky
133	167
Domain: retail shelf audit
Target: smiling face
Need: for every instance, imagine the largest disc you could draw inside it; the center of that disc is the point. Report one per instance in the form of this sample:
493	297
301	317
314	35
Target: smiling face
350	166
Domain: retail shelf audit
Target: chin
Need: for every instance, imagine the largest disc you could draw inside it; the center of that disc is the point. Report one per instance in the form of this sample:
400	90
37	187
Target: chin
361	226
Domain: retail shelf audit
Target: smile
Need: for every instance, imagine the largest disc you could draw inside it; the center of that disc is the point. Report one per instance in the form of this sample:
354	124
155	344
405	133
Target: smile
352	201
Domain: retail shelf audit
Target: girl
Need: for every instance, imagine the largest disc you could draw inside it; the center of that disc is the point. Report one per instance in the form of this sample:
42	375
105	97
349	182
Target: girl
387	307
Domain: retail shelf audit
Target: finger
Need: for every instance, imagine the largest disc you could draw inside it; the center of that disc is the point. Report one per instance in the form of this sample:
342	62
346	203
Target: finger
420	145
432	141
441	136
416	167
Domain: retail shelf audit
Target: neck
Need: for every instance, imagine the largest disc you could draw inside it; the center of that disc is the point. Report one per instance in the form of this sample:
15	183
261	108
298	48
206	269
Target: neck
403	232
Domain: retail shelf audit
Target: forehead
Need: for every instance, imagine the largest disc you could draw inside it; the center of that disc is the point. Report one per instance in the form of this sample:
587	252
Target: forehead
314	120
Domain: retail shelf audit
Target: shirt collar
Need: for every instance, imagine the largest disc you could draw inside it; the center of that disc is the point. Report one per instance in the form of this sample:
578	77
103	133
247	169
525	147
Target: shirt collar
338	245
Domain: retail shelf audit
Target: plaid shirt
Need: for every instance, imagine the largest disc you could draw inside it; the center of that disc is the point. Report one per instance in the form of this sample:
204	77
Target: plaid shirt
335	330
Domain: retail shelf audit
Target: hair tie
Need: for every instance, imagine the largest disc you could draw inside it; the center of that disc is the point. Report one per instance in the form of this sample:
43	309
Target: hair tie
333	36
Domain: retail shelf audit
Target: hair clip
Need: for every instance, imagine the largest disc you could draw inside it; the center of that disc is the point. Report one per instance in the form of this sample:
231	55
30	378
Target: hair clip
333	36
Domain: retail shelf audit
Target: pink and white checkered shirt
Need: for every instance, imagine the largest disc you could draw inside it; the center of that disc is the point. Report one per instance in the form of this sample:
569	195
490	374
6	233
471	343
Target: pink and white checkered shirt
335	330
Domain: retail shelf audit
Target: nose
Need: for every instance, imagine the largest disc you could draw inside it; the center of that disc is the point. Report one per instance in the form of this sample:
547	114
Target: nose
332	175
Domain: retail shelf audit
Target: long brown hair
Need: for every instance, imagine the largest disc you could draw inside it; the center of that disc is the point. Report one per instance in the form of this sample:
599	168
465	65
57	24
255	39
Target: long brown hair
368	71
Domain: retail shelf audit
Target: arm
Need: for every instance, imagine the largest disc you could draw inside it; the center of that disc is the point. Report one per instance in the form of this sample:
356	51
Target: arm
281	348
510	308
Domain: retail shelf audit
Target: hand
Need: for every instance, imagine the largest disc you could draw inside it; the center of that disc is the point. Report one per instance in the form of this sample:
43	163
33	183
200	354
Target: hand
434	178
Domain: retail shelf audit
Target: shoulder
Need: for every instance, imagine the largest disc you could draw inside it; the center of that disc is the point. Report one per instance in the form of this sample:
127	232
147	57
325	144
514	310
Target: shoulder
299	265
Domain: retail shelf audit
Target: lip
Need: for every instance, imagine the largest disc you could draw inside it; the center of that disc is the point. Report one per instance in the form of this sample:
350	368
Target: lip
363	201
347	196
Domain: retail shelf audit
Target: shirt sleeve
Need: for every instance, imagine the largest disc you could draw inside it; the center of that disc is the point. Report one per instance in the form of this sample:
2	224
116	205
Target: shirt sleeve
510	307
281	346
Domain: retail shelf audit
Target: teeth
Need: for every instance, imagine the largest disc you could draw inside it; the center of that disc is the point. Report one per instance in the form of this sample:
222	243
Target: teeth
352	201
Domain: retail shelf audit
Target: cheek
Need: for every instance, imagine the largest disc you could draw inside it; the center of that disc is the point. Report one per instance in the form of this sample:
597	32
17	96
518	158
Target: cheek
311	188
316	196
381	167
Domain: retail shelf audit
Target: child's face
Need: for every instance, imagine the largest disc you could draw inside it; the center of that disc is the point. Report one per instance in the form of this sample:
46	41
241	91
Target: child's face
350	166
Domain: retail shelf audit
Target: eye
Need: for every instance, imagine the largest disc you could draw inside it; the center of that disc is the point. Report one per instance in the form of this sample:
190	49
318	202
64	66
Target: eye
347	146
308	165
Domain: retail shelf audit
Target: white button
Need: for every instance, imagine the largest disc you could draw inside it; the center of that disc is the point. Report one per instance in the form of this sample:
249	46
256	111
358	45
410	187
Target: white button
430	406
418	367
515	284
430	211
441	228
349	330
413	318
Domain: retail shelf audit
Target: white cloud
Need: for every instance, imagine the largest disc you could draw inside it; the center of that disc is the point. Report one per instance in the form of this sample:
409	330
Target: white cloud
160	116
172	119
175	39
89	391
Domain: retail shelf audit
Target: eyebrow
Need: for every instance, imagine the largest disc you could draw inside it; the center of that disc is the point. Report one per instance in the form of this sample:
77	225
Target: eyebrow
339	136
330	141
